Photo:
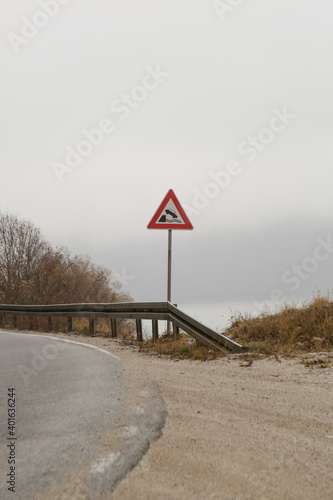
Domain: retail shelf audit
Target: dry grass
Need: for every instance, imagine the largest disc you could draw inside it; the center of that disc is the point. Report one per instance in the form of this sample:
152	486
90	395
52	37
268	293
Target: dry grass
125	328
183	347
291	331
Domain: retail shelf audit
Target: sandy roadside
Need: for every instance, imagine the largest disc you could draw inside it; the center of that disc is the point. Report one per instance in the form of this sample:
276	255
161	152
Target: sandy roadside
232	432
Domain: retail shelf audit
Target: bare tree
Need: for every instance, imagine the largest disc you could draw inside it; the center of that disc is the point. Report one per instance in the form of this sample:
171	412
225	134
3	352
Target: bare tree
21	250
32	272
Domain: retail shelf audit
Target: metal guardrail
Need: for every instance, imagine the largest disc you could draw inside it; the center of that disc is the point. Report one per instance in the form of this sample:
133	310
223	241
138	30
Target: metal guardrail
154	311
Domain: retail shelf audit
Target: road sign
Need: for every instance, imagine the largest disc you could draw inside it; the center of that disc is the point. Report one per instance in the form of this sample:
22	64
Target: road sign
170	215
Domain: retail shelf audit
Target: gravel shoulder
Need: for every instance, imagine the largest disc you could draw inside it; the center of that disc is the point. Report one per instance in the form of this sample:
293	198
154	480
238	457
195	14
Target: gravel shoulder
263	431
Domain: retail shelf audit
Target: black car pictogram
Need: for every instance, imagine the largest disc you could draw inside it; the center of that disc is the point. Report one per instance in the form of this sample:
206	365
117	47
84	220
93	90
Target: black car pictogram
172	213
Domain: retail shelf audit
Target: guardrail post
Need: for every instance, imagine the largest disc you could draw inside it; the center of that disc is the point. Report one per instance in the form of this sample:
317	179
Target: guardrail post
69	324
49	323
155	329
15	321
91	325
31	325
139	330
1	320
114	328
175	330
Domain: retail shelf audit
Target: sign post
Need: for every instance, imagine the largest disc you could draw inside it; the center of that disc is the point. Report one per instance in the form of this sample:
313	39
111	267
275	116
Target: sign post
169	263
170	215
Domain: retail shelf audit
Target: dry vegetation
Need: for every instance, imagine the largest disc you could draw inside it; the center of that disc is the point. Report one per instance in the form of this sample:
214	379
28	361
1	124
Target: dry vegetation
291	331
184	347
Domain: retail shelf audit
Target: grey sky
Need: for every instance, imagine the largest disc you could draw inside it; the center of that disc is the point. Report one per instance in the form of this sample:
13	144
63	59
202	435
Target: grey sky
244	97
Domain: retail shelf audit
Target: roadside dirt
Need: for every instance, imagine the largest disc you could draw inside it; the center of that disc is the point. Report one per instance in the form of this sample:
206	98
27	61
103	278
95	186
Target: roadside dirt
263	431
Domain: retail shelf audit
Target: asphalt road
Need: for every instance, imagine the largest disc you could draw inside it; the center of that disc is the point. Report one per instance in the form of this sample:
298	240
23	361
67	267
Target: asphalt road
66	395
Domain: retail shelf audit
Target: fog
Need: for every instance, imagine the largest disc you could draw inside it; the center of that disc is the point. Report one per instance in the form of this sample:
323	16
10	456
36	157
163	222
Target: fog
106	106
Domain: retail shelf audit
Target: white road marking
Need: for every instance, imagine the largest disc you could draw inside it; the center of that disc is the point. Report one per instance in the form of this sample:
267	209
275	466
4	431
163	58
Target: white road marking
64	340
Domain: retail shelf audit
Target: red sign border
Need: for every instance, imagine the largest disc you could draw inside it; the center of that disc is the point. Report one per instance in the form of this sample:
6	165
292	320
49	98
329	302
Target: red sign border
153	224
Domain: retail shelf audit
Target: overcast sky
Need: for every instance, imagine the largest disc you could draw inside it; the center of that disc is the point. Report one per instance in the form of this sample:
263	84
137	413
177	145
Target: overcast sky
107	105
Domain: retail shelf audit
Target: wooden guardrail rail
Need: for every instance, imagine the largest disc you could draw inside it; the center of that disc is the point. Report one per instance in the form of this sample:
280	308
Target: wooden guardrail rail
153	311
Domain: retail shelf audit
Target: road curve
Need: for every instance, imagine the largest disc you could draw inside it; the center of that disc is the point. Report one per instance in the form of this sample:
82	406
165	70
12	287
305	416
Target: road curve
66	396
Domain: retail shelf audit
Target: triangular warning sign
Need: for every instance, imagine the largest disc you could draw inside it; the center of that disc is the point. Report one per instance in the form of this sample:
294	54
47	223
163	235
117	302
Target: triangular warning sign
170	215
